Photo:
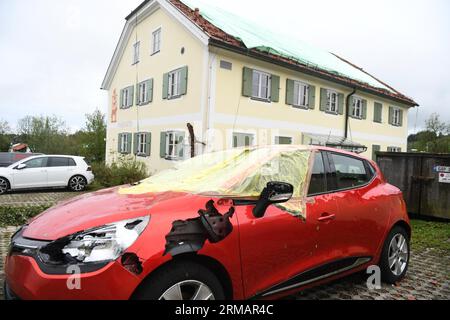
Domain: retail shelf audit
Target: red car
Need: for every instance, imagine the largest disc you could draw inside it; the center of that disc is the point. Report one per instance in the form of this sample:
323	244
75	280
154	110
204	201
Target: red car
260	222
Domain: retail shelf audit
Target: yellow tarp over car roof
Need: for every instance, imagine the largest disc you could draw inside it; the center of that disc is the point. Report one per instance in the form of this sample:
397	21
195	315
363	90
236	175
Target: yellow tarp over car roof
236	173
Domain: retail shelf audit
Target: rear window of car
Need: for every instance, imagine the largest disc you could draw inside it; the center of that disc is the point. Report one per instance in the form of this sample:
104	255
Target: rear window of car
350	172
61	162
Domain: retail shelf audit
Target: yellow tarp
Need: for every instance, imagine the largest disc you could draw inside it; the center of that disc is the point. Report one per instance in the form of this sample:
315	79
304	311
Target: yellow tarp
236	173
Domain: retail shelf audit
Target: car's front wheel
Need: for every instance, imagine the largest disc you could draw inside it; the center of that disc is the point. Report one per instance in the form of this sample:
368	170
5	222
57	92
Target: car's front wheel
183	280
4	185
77	183
395	256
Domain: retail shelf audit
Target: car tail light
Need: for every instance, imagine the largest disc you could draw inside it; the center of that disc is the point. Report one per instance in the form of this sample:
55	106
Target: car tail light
89	169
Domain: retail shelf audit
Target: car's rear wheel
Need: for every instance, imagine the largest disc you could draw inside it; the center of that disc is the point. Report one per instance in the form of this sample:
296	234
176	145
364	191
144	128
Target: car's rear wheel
77	183
395	256
182	280
4	185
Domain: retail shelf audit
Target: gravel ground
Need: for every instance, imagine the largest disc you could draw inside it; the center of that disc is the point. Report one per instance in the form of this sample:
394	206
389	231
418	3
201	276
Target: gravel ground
33	198
428	278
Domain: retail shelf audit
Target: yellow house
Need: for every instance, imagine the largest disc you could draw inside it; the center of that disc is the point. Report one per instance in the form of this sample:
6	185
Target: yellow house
183	64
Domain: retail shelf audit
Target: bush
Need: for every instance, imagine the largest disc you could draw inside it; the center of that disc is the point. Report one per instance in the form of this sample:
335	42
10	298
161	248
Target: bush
116	174
17	216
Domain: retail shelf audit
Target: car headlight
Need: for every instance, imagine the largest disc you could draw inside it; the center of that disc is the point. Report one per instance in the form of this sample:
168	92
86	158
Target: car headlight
105	243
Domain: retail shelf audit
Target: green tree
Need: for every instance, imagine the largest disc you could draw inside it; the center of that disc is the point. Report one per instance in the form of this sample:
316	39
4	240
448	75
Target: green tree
92	139
5	136
44	134
435	139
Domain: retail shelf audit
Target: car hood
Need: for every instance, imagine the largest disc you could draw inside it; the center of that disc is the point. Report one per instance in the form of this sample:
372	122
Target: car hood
93	210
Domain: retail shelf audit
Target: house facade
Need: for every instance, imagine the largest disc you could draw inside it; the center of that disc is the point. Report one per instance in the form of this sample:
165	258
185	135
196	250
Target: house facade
173	67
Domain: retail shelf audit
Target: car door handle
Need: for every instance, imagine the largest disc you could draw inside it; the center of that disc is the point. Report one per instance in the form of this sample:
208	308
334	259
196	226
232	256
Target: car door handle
326	217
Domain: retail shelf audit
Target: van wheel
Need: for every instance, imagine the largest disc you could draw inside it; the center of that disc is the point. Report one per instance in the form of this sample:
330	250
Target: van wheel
395	256
182	280
77	183
4	185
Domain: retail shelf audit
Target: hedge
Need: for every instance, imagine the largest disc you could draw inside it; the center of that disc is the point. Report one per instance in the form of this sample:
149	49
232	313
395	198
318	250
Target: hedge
17	216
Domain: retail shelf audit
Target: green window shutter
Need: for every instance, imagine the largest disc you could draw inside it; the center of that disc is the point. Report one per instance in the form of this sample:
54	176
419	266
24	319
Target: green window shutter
184	80
391	115
401	118
162	145
312	97
165	89
350	106
180	139
129	142
130	96
138	94
364	109
341	103
275	88
247	82
149	97
289	92
135	143
121	99
148	144
375	148
323	99
377	116
119	143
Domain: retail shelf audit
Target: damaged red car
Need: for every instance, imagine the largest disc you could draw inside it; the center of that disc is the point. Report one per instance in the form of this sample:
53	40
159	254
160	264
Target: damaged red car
260	222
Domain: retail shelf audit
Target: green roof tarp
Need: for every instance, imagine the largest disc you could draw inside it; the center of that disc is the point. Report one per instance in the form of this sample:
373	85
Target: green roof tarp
287	45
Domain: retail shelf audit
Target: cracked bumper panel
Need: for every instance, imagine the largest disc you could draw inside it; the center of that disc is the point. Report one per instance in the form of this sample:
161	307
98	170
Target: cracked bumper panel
28	282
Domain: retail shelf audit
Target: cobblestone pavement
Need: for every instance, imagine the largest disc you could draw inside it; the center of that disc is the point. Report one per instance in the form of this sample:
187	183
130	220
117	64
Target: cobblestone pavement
33	198
428	278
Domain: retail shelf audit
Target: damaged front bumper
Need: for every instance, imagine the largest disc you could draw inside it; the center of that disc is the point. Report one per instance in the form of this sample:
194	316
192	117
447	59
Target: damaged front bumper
29	278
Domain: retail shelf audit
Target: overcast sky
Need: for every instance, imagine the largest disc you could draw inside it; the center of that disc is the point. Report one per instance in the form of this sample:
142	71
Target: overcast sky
54	54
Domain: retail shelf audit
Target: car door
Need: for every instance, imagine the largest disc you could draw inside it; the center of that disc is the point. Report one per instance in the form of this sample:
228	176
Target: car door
277	248
361	214
60	170
34	175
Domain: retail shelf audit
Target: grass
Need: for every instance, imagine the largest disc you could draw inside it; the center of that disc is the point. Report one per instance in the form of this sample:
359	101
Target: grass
17	216
430	234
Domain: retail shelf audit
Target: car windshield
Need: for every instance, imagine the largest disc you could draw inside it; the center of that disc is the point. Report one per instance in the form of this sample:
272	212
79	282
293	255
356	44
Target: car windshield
236	173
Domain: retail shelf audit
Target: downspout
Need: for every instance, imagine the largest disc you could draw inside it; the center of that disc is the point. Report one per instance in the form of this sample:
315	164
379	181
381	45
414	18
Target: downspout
347	111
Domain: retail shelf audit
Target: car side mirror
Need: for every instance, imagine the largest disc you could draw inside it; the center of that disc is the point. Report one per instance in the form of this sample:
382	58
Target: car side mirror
274	192
21	166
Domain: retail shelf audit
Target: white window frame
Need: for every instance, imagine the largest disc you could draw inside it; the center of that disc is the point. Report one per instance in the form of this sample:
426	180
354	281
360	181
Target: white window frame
172	145
156	40
357	108
252	137
301	96
280	136
332	106
143	89
174	83
394	149
125	94
142	144
124	143
136	52
263	91
396	116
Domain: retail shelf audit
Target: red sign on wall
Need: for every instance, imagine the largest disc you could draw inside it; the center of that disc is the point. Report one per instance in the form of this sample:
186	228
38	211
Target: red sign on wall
114	107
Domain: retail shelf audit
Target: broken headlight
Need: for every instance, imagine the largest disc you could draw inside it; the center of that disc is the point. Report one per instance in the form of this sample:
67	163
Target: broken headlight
105	243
